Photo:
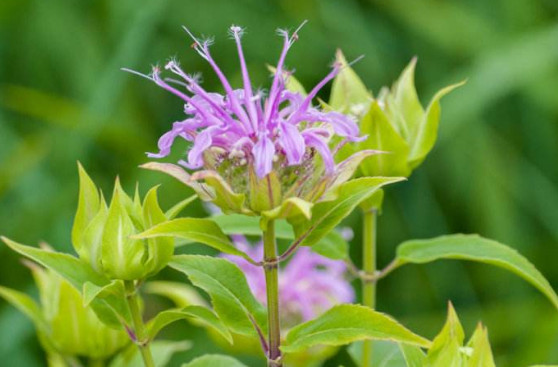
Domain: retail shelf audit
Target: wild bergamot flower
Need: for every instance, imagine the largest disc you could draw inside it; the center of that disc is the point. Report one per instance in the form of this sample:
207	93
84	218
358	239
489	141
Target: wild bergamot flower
253	150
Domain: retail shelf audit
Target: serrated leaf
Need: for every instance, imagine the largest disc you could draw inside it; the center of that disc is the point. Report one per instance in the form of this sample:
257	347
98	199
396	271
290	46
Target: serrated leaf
227	287
344	324
426	132
214	360
327	215
204	231
348	92
474	248
203	315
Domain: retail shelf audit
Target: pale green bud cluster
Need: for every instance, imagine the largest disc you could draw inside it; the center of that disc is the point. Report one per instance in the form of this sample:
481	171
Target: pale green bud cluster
395	121
103	235
65	326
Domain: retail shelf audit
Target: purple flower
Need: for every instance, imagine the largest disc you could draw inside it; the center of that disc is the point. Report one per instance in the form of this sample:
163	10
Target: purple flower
244	124
254	151
309	284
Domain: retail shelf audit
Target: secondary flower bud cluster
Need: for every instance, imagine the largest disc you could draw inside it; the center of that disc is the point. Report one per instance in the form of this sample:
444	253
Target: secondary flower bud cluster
102	235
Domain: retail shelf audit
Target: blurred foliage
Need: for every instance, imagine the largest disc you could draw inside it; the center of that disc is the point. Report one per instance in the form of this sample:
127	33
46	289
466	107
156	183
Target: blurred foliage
494	171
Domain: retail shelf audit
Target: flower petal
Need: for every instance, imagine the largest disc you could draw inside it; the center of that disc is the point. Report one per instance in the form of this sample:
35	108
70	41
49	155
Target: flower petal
292	142
263	152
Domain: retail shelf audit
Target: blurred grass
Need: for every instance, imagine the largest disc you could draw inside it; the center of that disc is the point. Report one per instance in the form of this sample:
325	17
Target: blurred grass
494	171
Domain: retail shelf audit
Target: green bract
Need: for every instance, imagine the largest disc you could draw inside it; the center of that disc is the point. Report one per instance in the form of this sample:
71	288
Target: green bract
281	195
65	326
102	235
395	122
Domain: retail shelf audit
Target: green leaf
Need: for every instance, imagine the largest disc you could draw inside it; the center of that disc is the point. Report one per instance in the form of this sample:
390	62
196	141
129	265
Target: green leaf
474	248
446	346
214	360
162	351
177	208
70	268
348	92
204	231
26	305
381	135
384	353
226	285
332	246
77	273
290	207
250	226
482	353
327	215
344	324
205	316
181	294
426	132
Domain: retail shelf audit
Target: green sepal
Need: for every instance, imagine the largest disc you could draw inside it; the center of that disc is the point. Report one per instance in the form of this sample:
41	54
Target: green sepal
446	346
122	256
348	95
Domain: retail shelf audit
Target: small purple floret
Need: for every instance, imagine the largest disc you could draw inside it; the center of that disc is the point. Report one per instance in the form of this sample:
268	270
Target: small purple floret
246	124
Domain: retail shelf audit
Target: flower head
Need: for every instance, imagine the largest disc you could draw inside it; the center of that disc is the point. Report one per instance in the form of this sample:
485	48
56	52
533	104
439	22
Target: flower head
309	284
245	136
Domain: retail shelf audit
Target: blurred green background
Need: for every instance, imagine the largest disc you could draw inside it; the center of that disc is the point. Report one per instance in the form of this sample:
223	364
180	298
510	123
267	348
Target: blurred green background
494	170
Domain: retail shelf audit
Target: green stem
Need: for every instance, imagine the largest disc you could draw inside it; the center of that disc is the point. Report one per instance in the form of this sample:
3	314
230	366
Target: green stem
139	336
272	289
369	267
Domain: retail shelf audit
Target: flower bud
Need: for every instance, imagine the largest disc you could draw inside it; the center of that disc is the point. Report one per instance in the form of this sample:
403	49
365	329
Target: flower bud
103	236
72	329
394	121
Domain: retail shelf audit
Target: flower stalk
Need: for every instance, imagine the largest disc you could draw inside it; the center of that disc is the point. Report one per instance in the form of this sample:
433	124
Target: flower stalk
138	336
369	270
272	289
